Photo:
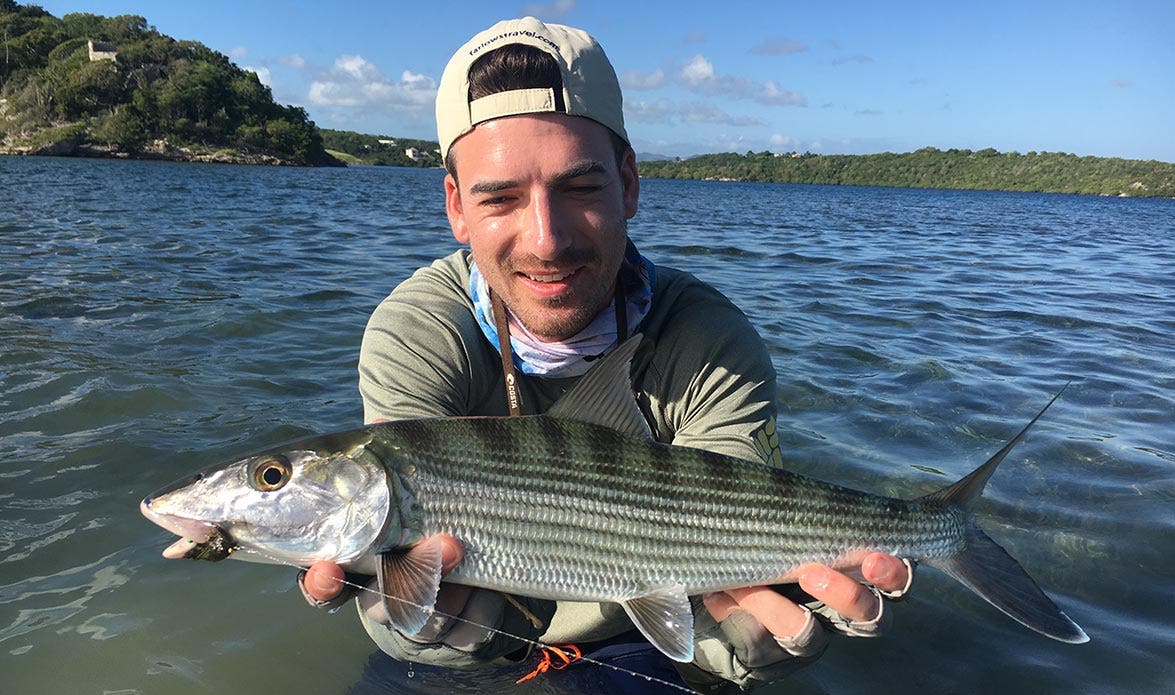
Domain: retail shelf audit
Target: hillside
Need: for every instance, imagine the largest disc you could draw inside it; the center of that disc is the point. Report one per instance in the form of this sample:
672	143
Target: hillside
1051	172
114	86
381	150
87	85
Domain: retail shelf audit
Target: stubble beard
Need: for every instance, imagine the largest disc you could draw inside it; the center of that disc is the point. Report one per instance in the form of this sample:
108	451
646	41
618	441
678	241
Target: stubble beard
563	327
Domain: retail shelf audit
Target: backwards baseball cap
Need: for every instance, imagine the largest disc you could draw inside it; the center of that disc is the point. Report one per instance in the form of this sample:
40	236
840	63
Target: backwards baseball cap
590	87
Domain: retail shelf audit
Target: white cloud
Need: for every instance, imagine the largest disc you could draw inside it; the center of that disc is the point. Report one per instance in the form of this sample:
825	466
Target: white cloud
354	81
637	80
774	94
708	113
238	53
665	112
699	76
660	111
697	72
356	66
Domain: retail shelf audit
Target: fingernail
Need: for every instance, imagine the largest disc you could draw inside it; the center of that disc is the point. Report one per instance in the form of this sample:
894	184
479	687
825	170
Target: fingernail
324	582
877	570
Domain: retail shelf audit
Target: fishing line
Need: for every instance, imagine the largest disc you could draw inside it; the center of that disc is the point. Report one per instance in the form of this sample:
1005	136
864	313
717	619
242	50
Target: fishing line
473	623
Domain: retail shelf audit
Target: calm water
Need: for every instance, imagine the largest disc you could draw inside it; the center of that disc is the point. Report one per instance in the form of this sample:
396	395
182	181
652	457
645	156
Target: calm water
157	317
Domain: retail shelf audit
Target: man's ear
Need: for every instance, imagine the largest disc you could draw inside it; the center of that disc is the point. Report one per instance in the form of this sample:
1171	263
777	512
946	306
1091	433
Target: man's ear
454	210
631	180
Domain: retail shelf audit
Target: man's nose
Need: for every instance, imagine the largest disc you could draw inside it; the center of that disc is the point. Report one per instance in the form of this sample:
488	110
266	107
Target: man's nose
548	236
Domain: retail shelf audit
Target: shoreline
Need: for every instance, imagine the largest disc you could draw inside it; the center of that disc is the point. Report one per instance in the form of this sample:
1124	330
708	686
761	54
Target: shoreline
77	146
161	150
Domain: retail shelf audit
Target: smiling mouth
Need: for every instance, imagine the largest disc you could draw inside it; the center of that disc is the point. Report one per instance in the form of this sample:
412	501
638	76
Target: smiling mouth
548	277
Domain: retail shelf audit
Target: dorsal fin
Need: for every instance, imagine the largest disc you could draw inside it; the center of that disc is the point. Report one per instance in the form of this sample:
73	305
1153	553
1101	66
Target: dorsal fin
967	490
604	397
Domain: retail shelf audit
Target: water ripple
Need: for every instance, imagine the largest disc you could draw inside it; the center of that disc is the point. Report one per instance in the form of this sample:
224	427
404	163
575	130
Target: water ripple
157	317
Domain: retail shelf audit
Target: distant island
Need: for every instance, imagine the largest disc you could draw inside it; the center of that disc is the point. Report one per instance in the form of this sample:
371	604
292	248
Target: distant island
87	85
1046	172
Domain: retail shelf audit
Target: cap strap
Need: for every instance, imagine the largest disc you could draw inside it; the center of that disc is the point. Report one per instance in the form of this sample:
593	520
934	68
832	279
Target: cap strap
512	103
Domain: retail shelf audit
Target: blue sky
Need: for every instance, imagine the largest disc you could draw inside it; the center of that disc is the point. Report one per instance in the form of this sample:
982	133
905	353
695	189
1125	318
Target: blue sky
1091	78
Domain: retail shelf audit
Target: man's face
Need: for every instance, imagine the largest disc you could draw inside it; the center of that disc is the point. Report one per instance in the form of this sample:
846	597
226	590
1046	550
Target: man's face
543	205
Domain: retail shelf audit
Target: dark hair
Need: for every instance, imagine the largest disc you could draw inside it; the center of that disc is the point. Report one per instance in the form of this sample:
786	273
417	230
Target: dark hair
518	66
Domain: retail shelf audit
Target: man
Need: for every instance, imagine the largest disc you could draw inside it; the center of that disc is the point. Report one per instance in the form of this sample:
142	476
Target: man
541	182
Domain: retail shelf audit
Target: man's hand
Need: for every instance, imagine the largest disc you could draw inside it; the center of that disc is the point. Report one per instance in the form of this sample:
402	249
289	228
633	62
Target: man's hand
323	581
843	594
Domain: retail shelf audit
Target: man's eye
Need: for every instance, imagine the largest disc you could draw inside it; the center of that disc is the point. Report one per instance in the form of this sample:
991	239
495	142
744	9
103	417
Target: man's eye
584	188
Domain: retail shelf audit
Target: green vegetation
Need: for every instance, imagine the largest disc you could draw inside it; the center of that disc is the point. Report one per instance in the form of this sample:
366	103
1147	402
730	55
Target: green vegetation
171	99
381	150
158	97
1050	172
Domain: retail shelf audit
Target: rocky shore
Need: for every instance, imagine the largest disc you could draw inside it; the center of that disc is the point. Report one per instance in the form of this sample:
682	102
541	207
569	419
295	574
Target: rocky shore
78	145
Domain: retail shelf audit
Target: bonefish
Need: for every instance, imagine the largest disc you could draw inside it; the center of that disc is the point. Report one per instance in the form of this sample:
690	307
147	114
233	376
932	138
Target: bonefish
578	504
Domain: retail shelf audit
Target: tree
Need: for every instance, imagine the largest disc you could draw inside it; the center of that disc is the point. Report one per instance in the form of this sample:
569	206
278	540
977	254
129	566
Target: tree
90	89
124	129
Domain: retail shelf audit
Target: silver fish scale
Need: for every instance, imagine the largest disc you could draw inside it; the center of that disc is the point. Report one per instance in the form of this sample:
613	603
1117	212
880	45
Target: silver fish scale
573	511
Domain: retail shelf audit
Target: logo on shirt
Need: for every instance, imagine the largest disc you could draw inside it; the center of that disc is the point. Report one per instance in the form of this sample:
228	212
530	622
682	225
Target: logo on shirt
766	441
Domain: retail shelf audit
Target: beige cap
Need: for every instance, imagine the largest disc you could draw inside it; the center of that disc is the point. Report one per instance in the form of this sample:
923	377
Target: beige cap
590	87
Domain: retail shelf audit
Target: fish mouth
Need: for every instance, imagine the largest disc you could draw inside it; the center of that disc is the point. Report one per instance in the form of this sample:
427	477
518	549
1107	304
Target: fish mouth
199	540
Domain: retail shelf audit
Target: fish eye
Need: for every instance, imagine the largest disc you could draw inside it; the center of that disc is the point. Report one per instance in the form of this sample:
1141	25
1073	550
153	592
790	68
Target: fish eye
270	473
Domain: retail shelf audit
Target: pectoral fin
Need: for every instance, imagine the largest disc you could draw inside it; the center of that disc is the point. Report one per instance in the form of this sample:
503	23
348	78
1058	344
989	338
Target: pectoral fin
409	581
667	620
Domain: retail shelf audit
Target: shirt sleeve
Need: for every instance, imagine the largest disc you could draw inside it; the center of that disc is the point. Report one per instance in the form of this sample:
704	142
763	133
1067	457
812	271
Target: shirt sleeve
709	382
421	347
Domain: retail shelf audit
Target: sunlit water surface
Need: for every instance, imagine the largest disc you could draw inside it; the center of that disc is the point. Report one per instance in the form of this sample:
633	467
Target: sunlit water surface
155	318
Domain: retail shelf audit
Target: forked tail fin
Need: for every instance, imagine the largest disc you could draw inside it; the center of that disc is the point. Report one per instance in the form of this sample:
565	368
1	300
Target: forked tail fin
988	570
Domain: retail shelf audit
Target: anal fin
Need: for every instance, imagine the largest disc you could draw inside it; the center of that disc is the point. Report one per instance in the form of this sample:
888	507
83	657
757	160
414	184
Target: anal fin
666	619
409	581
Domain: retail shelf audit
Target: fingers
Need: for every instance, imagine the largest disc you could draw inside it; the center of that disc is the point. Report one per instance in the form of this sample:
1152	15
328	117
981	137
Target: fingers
323	581
451	552
849	607
886	572
745	615
780	616
851	599
838	591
